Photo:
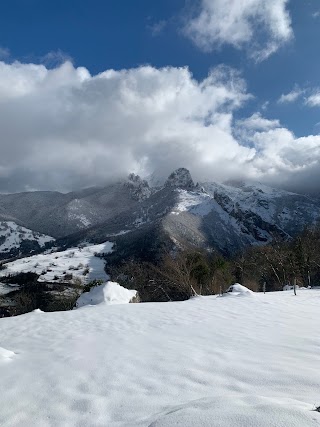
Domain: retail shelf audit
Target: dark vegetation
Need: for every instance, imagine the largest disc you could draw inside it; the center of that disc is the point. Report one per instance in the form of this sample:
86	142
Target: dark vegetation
162	275
26	248
33	294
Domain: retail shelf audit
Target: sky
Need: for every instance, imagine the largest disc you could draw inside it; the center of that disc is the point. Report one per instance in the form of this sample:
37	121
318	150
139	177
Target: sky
93	90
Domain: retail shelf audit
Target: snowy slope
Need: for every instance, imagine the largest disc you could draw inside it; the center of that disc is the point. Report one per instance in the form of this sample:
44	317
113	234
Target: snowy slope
206	362
274	206
80	262
13	235
232	217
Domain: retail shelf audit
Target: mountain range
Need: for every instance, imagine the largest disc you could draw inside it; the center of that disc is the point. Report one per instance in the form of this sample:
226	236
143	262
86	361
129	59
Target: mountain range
226	217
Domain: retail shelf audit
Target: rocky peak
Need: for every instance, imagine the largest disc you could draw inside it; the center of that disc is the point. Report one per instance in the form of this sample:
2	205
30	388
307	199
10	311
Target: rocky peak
140	189
180	178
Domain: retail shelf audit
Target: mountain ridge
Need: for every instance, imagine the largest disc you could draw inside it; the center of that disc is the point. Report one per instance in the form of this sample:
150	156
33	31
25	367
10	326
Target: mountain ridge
227	217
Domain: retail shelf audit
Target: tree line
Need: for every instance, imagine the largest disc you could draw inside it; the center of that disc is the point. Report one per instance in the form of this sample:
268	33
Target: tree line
181	274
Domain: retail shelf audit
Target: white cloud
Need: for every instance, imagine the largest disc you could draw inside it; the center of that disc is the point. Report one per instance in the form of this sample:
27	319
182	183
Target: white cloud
260	26
284	160
157	28
55	58
258	123
291	96
316	14
313	100
63	128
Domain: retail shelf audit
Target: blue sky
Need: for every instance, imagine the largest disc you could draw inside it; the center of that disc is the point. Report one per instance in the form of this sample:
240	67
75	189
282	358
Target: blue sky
120	34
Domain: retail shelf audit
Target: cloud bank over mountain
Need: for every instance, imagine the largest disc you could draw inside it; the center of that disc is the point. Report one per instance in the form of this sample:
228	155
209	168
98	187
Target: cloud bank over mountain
62	129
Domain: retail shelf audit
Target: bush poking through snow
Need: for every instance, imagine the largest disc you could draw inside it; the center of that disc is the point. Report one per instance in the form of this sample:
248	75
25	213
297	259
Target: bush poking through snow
92	284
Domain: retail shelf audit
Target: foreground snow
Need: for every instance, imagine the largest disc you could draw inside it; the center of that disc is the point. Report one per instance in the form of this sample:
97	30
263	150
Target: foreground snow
218	362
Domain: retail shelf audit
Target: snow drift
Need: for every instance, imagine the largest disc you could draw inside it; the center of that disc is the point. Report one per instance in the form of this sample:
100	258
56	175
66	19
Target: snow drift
108	293
239	290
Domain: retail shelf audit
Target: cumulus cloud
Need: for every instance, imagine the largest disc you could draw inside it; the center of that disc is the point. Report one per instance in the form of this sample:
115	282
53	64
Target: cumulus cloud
62	128
283	160
259	26
258	123
291	96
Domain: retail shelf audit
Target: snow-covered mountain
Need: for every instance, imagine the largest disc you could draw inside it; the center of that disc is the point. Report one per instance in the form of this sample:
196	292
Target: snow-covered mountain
236	215
227	217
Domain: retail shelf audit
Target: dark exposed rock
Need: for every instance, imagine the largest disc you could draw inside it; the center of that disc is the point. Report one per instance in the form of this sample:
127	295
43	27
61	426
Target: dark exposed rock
180	178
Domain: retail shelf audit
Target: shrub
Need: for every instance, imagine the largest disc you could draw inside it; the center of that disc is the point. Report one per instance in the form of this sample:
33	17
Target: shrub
92	284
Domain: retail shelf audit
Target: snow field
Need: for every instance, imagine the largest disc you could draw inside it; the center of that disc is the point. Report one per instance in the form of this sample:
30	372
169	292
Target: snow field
206	362
80	262
5	354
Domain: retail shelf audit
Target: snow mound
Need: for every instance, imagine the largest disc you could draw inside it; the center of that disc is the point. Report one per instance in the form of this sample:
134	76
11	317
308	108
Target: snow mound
5	354
239	290
249	411
109	293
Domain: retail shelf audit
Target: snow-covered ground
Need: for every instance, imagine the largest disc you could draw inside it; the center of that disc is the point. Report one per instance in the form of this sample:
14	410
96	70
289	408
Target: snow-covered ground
80	262
12	235
214	362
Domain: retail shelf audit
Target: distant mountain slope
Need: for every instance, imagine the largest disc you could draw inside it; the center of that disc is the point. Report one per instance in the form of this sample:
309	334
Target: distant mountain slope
231	217
16	240
65	266
227	217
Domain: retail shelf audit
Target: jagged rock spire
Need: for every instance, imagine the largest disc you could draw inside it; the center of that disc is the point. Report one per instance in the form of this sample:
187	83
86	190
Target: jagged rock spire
180	178
140	189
